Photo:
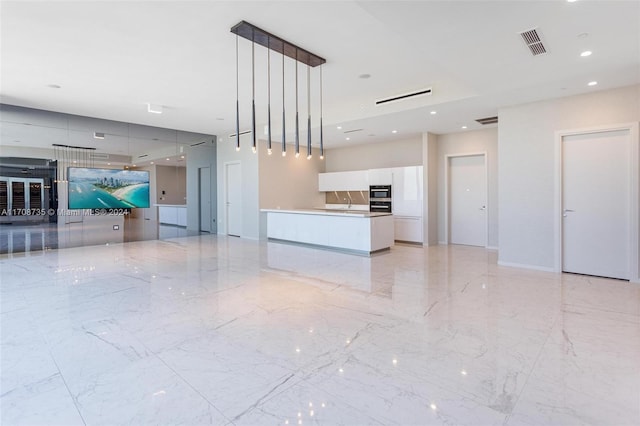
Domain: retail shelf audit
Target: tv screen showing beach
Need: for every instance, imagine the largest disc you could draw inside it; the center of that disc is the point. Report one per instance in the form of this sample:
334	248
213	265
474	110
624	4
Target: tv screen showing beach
107	188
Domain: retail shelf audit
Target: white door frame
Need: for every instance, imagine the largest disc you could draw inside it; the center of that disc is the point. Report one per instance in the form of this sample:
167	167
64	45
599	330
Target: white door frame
634	196
200	199
226	195
447	184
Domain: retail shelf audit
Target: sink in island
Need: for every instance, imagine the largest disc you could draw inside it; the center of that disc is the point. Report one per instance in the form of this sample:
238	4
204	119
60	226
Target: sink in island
354	231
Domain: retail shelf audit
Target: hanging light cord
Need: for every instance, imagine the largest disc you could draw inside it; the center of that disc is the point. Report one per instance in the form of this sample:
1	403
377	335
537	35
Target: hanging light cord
269	97
284	128
309	112
297	126
321	141
253	95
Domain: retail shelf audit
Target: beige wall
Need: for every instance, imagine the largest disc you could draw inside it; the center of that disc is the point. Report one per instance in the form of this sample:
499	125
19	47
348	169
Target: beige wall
479	141
173	181
400	153
288	182
527	161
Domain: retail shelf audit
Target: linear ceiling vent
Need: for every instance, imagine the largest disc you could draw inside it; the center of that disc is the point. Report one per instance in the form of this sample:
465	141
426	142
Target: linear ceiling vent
143	155
353	131
533	40
246	132
487	120
404	97
99	155
203	142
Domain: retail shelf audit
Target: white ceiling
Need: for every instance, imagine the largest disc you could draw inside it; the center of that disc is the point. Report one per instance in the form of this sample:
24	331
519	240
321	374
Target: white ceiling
112	57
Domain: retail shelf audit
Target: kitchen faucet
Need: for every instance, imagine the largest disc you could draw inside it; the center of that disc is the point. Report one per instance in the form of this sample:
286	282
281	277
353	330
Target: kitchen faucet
350	200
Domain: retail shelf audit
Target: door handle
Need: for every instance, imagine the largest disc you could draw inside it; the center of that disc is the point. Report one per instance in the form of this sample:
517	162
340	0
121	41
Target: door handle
565	211
483	208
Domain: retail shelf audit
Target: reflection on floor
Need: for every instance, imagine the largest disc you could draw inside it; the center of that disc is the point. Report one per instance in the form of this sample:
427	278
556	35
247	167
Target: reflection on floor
17	239
216	330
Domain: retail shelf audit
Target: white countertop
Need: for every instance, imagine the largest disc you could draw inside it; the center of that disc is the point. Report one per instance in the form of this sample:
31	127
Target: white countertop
329	212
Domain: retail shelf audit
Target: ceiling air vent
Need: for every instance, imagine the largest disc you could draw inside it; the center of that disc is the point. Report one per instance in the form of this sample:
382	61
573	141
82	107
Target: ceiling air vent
99	155
203	142
405	96
487	120
533	41
354	130
246	132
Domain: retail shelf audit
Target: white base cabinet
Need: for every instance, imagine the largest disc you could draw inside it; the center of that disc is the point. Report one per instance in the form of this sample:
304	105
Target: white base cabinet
408	228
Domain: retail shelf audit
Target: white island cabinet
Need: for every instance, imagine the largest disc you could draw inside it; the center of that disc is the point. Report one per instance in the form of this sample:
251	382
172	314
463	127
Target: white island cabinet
354	231
170	214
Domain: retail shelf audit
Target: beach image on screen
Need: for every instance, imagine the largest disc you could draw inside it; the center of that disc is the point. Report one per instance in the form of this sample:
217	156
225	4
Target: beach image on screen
107	188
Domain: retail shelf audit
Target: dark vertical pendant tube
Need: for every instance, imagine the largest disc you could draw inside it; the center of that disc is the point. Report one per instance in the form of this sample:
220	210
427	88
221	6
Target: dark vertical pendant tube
321	140
309	113
237	100
269	96
284	128
297	141
253	95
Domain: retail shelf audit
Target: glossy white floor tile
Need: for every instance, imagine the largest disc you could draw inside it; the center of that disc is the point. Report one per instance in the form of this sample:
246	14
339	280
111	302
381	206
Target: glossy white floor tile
216	330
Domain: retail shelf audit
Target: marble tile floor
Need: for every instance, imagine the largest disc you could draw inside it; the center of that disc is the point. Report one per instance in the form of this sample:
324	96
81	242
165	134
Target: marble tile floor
218	330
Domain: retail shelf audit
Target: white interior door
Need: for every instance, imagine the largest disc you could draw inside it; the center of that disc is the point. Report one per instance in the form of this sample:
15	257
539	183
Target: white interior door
233	188
596	224
468	200
204	177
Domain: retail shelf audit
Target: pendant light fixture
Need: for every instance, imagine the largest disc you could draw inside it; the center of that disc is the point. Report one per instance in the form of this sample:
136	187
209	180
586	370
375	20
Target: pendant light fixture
321	141
297	136
268	99
284	128
309	113
253	93
299	55
237	99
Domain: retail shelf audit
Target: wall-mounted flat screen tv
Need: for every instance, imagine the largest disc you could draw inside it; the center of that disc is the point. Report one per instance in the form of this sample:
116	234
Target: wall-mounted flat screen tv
107	188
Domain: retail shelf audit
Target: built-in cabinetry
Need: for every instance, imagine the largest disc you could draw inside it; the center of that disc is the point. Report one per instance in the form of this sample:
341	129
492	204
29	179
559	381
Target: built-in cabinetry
406	193
172	214
344	181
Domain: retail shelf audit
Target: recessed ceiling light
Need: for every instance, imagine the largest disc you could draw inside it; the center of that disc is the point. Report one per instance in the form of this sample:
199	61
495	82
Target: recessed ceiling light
571	1
586	53
154	109
168	159
134	165
152	162
98	135
348	139
394	131
434	112
592	83
364	76
182	156
464	127
339	127
108	164
54	86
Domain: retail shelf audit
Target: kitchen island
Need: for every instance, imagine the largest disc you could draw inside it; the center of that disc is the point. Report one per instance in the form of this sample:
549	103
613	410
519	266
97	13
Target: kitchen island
354	231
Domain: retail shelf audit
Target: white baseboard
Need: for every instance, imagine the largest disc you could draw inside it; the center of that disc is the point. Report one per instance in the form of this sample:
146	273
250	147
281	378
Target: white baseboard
444	243
492	248
526	266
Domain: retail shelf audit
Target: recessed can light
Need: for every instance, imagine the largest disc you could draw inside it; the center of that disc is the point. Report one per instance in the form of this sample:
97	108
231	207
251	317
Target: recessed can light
152	162
592	83
394	131
434	112
348	139
168	159
339	127
464	127
586	53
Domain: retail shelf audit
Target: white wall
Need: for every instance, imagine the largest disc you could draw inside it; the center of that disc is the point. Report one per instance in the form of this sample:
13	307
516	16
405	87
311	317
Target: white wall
400	153
479	141
526	141
197	157
226	151
430	184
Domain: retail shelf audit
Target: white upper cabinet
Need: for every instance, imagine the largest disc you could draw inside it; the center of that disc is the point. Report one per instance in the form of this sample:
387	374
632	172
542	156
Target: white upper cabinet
381	177
344	181
407	191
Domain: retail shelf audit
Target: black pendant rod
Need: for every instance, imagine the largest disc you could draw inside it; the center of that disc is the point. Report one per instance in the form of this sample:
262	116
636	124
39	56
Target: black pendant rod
237	99
253	96
309	113
321	141
269	102
297	138
284	129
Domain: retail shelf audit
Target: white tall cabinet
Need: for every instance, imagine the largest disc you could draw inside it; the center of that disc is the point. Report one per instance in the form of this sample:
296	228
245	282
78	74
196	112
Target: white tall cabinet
407	198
